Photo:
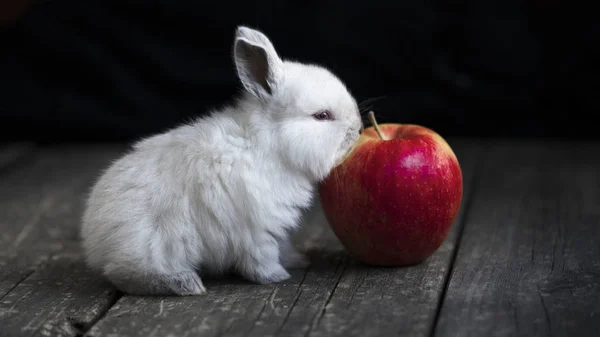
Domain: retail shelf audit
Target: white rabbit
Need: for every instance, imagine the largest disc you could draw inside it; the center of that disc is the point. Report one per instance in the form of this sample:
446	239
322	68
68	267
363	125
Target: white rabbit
221	194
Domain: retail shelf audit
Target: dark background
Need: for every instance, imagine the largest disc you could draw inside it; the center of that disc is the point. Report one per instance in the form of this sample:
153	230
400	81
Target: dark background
117	70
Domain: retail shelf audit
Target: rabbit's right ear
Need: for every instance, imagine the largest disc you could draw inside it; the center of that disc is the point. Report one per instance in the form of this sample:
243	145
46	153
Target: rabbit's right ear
258	65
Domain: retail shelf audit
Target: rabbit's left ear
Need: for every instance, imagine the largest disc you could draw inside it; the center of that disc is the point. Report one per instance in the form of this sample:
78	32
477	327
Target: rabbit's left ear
259	68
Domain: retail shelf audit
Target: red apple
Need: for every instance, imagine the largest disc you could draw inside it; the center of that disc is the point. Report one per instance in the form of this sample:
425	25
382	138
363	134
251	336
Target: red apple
392	201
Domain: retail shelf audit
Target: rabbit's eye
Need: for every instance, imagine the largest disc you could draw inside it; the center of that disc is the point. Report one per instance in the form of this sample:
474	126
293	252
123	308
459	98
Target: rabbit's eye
323	115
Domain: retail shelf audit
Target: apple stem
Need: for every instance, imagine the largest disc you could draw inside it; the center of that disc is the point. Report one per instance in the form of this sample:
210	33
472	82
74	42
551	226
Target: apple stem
375	125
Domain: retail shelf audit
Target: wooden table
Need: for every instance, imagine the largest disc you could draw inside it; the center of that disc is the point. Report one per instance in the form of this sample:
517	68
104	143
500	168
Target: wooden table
522	259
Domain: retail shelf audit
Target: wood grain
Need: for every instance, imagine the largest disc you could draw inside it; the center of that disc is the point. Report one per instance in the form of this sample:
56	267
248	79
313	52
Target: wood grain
335	296
529	258
60	298
44	287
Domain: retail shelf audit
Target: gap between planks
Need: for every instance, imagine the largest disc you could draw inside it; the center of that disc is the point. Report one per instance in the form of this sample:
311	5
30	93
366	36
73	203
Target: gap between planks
474	183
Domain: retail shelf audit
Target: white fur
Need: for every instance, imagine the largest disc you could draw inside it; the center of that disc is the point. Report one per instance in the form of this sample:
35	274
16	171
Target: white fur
221	194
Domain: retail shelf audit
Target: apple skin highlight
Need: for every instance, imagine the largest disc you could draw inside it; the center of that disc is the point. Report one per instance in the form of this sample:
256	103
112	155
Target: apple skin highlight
392	202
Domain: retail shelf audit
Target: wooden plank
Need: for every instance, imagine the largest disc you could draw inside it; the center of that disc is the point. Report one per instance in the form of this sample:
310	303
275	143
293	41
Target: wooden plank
60	298
529	259
44	287
335	296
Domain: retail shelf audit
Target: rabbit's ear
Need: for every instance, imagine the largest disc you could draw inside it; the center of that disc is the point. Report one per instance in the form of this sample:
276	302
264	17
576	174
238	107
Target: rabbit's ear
258	65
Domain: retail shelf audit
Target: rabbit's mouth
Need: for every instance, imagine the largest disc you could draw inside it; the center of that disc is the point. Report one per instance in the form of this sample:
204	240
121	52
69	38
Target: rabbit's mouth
347	153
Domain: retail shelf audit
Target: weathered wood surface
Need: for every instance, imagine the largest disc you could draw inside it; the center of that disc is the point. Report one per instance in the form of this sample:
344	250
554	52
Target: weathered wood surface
529	259
335	296
44	288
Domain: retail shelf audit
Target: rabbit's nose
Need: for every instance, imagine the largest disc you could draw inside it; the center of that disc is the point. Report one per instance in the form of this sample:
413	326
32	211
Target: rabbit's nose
361	127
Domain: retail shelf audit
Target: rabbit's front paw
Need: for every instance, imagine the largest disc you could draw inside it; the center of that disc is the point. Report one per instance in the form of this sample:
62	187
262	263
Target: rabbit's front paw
265	274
